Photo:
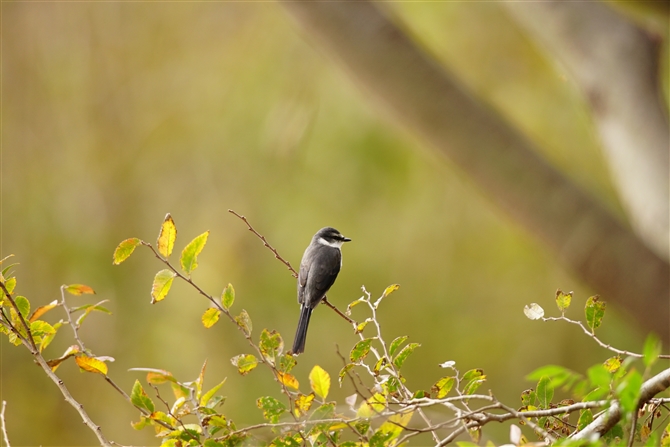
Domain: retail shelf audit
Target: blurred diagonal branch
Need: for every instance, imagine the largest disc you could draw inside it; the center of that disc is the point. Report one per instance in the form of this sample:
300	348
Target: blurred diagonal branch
422	96
615	63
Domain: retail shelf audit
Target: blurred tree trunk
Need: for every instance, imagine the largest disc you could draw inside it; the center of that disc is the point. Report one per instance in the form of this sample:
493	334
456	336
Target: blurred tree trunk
424	97
615	63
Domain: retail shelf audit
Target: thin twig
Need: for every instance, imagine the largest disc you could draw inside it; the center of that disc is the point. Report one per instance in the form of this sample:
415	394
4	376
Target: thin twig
266	243
597	340
4	426
68	312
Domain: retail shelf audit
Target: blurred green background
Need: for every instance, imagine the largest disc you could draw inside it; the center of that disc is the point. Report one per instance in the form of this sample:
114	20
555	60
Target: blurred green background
114	114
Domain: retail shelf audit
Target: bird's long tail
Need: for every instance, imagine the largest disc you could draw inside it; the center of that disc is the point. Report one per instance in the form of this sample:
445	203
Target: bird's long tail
301	332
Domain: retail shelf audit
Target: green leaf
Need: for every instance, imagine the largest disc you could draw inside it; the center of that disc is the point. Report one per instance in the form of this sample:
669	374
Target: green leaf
88	308
474	379
343	372
595	310
286	363
360	350
210	317
563	300
139	397
533	311
204	400
161	285
10	284
651	350
443	386
166	236
628	391
585	418
319	381
404	354
79	289
395	344
23	305
47	339
124	250
545	392
244	322
476	373
528	397
473	385
189	256
271	344
228	296
599	376
419	394
245	363
41	328
271	407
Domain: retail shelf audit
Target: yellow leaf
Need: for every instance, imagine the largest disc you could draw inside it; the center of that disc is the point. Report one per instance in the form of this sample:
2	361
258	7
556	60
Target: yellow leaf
390	289
124	250
394	425
319	380
79	289
288	380
210	317
167	236
303	404
91	364
372	406
161	285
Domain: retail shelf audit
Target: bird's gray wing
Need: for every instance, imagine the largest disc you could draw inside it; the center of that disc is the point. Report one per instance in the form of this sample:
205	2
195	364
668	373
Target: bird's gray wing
302	281
322	275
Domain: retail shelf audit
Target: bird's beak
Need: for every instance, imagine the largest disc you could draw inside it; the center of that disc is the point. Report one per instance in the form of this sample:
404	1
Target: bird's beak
346	239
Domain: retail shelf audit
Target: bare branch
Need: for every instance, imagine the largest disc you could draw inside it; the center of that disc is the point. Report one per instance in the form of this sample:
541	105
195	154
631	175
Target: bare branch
2	422
603	423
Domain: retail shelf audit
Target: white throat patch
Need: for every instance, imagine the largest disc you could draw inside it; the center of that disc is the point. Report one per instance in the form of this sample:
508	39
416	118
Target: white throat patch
334	244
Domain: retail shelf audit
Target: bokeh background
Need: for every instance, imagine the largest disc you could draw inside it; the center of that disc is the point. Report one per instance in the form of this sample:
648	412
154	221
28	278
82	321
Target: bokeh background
114	114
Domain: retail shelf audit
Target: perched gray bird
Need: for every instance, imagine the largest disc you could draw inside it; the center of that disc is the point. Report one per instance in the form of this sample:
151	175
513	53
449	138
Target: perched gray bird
318	269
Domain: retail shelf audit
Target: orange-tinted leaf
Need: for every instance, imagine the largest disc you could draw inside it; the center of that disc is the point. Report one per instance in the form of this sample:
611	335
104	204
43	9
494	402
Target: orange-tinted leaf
79	289
124	250
69	352
167	236
288	380
42	310
91	364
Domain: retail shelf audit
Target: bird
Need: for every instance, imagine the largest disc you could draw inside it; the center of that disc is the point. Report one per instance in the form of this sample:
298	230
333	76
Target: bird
319	268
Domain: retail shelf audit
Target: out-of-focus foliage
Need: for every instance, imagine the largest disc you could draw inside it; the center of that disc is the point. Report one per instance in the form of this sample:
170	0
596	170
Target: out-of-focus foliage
115	113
